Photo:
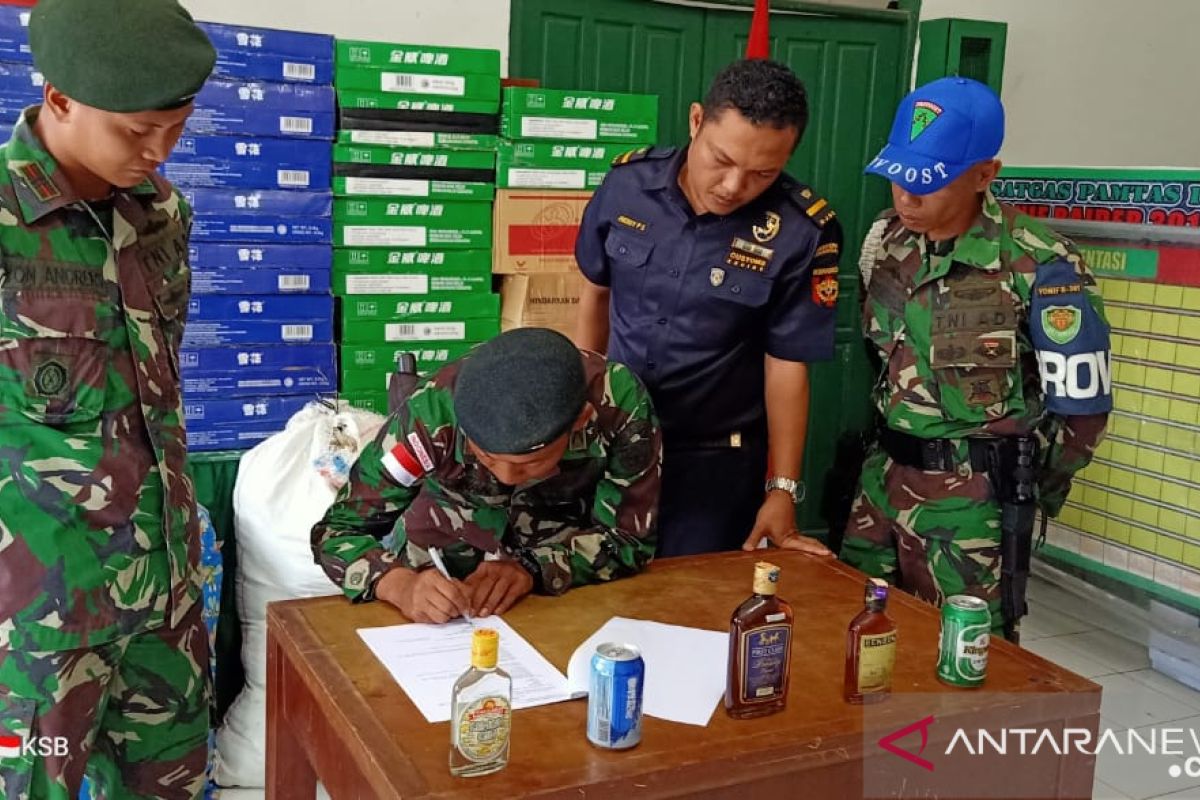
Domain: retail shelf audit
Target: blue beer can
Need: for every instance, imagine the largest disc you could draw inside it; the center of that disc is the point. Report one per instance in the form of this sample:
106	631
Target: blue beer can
615	696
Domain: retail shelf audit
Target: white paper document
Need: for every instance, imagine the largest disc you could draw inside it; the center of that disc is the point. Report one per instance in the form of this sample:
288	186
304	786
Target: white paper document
685	667
426	660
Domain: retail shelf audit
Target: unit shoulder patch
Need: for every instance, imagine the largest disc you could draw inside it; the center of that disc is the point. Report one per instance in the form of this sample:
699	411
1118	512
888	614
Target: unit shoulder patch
814	206
643	154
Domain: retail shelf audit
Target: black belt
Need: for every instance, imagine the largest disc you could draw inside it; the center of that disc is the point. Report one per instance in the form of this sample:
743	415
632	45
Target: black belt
940	455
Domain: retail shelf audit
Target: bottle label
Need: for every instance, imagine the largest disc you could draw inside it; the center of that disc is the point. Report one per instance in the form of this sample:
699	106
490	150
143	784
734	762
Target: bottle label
482	729
876	657
766	653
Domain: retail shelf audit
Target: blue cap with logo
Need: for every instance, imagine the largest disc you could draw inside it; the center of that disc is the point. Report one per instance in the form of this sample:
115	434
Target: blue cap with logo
941	130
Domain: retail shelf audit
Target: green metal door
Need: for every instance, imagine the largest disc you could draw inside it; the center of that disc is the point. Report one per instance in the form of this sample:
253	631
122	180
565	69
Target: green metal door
854	64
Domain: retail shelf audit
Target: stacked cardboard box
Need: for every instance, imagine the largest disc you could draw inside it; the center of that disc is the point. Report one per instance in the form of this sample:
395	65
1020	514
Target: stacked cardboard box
557	147
255	166
414	182
20	83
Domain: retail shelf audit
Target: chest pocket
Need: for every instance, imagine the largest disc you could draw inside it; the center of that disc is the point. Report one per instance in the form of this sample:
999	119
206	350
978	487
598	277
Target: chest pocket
973	342
55	320
629	257
740	287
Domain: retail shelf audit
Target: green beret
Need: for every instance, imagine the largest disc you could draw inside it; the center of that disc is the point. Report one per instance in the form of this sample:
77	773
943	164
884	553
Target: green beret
121	55
520	391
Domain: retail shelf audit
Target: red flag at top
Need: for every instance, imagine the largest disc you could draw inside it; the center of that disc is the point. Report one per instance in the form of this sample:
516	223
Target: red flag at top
759	45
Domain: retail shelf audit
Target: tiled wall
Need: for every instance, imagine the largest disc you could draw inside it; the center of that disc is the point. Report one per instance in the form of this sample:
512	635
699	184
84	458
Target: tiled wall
1136	508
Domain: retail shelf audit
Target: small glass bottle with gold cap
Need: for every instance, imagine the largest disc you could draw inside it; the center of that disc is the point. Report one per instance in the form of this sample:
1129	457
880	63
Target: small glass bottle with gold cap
870	648
481	711
760	649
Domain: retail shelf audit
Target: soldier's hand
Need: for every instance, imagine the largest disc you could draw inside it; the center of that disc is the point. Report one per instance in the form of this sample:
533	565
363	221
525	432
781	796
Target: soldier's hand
496	586
425	596
776	521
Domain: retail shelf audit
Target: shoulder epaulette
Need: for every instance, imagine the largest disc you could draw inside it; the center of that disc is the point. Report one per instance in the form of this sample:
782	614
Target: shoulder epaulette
642	154
815	207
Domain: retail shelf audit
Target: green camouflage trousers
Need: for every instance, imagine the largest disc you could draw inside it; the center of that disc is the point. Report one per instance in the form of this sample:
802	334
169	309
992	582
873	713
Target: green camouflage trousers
933	534
132	713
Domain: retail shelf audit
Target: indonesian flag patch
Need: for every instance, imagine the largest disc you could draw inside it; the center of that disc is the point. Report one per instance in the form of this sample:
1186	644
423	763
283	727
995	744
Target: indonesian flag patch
10	746
402	465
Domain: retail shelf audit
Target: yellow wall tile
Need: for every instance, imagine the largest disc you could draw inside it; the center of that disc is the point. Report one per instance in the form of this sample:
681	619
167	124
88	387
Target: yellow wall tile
1138	320
1186	384
1120	506
1165	323
1178	467
1173	493
1146	486
1172	521
1141	293
1123	453
1150	460
1160	379
1157	407
1185	412
1196	473
1194	500
1188	356
1125	427
1117	531
1146	514
1136	348
1153	433
1069	515
1114	289
1091	522
1189	328
1094	498
1162	352
1193	528
1142	539
1169	296
1121	479
1127	400
1191	298
1191	555
1170	549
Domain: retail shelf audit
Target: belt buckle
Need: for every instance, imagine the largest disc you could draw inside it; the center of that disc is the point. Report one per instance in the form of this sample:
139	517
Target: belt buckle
735	439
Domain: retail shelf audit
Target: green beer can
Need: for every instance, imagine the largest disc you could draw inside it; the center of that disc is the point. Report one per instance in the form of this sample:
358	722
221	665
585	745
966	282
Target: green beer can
966	631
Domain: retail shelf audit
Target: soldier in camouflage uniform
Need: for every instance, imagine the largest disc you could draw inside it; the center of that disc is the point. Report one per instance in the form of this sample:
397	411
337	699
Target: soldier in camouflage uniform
531	465
989	327
103	654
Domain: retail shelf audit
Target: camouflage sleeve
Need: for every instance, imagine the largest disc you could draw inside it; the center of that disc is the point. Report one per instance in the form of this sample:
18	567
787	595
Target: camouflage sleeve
626	505
1070	336
383	483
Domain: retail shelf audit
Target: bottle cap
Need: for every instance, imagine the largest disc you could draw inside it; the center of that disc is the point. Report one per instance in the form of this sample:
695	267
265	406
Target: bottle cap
766	578
485	648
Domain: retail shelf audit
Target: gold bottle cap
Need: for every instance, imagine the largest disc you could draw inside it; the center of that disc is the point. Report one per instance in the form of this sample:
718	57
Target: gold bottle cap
766	578
485	648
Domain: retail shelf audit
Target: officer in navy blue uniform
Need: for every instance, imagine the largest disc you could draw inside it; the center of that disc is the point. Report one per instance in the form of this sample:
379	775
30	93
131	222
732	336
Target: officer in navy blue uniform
713	275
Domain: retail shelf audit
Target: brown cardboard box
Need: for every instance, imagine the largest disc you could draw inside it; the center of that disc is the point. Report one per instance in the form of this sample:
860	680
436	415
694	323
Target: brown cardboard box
546	300
535	230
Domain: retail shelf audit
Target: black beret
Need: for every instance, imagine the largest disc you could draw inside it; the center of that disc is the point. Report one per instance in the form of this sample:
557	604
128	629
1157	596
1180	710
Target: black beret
121	55
520	391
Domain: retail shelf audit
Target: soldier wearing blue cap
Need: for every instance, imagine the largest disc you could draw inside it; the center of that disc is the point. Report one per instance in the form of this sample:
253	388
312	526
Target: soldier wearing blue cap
103	652
994	383
714	276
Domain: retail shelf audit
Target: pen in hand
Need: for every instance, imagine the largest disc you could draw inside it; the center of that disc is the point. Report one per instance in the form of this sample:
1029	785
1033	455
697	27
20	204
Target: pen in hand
440	565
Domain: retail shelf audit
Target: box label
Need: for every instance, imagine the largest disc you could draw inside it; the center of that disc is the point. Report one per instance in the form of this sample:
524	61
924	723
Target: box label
413	83
551	128
547	178
388	187
394	138
384	236
387	284
425	332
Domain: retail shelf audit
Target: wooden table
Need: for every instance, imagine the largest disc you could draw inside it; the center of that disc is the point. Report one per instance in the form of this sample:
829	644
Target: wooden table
334	712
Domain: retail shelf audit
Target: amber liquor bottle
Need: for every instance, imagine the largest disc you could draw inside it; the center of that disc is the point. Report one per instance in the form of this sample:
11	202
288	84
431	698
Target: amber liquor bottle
760	649
870	648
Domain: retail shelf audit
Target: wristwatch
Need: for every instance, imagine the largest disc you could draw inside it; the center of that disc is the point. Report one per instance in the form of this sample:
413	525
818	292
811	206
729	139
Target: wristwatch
794	488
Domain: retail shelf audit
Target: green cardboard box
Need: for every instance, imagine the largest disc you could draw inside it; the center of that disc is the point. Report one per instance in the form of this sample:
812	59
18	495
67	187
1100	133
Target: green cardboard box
373	359
381	222
367	401
463	191
363	261
421	140
554	165
433	308
383	101
379	332
382	156
584	116
411	82
424	58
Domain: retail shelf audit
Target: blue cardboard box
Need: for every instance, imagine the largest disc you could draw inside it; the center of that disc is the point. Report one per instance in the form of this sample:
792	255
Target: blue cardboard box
225	202
245	66
260	281
245	121
230	39
264	95
273	308
207	414
254	228
246	175
257	371
14	34
220	333
260	257
251	150
234	437
20	81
